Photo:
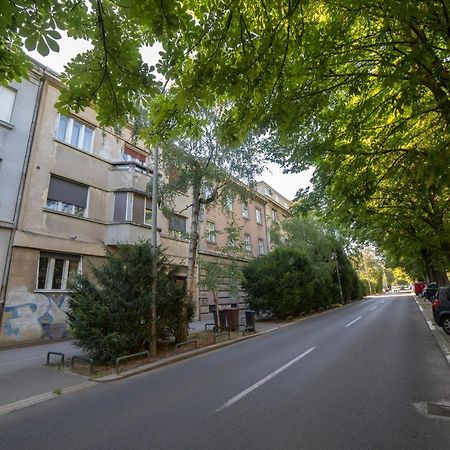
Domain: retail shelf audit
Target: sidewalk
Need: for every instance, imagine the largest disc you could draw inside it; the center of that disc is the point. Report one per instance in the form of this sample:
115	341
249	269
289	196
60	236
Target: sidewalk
442	339
26	380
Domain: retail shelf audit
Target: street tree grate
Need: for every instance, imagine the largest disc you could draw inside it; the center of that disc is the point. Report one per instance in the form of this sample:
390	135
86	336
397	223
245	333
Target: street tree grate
438	409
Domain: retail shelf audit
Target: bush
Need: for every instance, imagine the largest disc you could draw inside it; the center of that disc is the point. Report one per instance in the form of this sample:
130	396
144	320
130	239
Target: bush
110	316
280	282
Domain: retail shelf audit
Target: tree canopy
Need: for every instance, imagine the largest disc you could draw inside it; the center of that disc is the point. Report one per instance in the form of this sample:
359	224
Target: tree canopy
360	89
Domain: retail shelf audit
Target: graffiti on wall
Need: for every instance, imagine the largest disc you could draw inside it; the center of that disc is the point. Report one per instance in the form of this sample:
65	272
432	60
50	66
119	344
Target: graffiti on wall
42	316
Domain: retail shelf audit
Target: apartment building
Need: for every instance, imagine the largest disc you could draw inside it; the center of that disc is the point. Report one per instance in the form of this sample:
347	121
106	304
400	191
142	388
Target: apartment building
276	208
85	191
18	110
232	233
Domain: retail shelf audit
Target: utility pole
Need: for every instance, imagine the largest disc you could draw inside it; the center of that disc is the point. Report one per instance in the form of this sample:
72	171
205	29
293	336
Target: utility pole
154	249
338	273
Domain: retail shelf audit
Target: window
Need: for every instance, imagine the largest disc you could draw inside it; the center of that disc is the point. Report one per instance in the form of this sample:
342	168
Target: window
231	239
120	206
67	196
247	243
261	249
7	98
56	271
178	226
208	192
274	215
277	198
133	156
245	210
132	207
148	211
267	192
138	209
76	133
229	203
258	215
211	232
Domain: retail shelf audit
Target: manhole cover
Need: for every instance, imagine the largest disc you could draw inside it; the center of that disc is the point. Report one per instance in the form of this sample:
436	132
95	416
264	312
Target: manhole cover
438	409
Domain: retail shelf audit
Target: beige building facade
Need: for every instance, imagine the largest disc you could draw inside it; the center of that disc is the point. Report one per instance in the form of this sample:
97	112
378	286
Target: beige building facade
86	190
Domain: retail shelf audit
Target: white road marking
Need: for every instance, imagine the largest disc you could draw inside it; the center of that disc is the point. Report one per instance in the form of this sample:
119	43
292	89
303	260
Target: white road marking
430	325
263	380
375	307
353	321
420	308
8	363
21	360
382	301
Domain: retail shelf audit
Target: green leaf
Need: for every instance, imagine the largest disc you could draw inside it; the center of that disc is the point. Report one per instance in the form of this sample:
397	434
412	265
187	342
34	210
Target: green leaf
42	47
52	44
31	42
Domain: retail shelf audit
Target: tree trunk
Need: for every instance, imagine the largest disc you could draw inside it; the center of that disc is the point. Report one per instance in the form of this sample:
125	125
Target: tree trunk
433	274
192	261
216	302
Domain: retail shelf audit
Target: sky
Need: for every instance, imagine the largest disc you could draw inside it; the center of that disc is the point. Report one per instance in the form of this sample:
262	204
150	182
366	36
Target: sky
286	184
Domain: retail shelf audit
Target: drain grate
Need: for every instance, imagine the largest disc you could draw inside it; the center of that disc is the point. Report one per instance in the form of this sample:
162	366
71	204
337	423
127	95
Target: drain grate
438	409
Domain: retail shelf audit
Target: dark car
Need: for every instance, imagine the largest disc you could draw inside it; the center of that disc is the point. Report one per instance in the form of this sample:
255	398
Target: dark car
441	308
430	291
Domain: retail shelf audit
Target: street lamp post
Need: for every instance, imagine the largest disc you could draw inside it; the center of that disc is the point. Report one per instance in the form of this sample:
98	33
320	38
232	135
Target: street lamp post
154	249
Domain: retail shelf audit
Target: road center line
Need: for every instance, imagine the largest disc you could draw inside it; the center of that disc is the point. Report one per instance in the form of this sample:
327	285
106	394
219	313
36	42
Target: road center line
353	321
263	380
382	301
375	307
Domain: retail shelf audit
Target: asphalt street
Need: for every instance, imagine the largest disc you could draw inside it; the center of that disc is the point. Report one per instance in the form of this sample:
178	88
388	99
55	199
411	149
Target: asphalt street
352	378
23	373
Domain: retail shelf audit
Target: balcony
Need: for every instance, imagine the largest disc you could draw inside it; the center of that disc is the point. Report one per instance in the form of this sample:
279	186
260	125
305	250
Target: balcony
126	233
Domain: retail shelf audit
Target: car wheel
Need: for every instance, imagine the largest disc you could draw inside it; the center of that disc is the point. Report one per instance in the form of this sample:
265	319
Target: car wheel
445	324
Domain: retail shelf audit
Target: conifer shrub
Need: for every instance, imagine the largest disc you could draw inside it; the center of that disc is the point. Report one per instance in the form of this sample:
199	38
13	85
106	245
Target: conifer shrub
110	312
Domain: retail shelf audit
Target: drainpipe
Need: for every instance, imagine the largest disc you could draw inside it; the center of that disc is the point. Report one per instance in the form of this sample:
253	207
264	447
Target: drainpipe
20	195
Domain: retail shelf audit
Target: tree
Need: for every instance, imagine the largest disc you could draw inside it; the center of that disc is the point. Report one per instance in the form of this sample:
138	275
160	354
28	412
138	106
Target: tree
334	276
220	275
280	282
359	89
370	268
208	172
109	315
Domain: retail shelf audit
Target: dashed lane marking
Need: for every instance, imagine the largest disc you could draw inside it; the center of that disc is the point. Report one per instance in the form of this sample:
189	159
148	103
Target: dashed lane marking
353	321
263	380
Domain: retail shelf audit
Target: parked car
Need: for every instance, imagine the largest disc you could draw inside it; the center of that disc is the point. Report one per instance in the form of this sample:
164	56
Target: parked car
430	291
441	308
419	286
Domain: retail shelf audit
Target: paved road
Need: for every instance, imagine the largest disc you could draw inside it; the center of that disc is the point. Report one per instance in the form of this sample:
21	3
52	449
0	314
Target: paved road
352	378
23	373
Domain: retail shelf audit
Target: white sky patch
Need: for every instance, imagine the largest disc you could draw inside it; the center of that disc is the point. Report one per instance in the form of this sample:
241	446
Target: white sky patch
286	184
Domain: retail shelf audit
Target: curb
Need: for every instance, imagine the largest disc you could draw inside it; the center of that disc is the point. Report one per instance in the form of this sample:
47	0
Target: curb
25	403
183	356
5	409
190	354
441	339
